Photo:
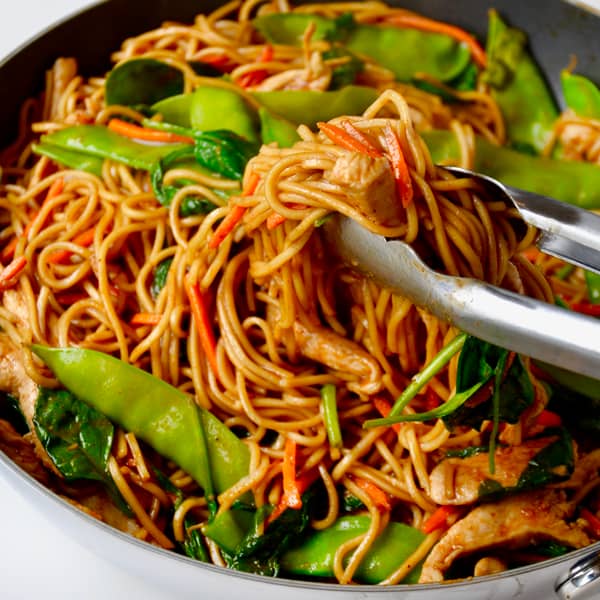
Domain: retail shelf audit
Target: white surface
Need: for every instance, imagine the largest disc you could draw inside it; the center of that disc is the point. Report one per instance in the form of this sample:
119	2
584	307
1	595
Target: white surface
36	559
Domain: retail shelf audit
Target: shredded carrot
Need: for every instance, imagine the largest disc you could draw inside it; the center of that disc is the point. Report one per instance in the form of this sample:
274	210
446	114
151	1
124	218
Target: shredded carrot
293	497
342	138
253	78
144	318
531	254
592	519
219	61
200	314
379	497
84	239
359	136
69	298
547	418
586	308
384	408
228	224
404	186
439	518
11	272
55	189
413	21
130	130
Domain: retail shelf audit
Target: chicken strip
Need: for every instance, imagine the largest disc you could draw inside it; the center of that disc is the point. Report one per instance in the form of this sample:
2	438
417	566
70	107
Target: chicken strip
515	522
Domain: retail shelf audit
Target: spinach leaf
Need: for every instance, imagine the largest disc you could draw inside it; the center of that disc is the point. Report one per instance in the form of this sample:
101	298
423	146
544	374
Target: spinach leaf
77	438
465	452
160	277
480	361
346	73
11	411
224	152
350	503
341	28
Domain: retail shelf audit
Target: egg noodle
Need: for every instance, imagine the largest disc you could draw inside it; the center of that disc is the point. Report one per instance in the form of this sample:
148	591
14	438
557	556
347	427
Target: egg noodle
288	318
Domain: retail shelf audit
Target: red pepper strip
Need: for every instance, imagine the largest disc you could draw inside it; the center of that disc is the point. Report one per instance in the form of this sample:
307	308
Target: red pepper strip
384	408
586	308
136	132
253	78
200	314
84	239
342	138
54	190
379	497
359	136
592	519
439	518
547	418
10	273
432	400
404	186
228	224
143	318
424	24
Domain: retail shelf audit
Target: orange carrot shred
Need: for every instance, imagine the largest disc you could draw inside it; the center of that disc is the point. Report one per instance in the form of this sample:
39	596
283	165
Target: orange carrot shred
342	138
228	224
379	497
359	136
130	130
253	78
291	493
274	220
531	254
384	408
439	518
413	21
144	318
203	326
84	239
11	272
592	519
547	418
399	167
586	308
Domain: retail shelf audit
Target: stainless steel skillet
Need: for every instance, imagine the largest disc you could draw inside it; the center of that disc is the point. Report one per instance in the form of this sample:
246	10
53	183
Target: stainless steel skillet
556	30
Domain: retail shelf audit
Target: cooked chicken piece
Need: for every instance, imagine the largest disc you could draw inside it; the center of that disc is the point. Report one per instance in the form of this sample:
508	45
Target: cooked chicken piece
580	142
515	522
369	185
14	302
329	348
63	72
489	565
315	76
457	480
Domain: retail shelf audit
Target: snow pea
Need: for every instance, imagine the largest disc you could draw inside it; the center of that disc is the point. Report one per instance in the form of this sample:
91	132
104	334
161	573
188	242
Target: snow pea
158	413
575	182
404	51
518	86
69	158
581	95
274	128
314	556
100	142
309	107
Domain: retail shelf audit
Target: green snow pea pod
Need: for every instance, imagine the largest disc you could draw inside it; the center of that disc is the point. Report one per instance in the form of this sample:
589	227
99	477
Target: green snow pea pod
581	95
99	141
274	128
575	182
314	556
158	413
308	107
404	51
518	86
71	159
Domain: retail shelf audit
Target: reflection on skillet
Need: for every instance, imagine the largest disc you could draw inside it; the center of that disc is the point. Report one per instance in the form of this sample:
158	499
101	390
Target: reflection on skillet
181	357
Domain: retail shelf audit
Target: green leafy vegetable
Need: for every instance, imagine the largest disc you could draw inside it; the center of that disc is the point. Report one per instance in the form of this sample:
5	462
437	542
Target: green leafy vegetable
224	152
342	27
347	72
142	82
160	275
11	411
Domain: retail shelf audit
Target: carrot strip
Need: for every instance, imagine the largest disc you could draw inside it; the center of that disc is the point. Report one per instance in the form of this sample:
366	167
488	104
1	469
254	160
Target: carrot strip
586	308
255	77
384	408
143	133
274	220
342	138
144	318
404	186
228	224
69	298
547	418
290	484
359	136
84	239
439	518
379	497
54	190
592	519
531	254
200	314
424	24
10	272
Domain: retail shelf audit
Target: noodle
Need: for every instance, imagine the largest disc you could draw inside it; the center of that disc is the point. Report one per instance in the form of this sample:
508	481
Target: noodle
289	320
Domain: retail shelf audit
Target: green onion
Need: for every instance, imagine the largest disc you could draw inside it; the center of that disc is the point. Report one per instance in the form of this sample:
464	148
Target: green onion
330	415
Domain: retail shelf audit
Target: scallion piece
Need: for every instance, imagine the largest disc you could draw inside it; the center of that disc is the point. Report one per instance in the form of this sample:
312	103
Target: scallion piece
330	415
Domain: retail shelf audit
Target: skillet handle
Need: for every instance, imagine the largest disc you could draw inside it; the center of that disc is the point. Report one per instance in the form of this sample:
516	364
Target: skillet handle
582	581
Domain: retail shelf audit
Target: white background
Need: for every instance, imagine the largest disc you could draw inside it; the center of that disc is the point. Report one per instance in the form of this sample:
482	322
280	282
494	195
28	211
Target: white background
36	559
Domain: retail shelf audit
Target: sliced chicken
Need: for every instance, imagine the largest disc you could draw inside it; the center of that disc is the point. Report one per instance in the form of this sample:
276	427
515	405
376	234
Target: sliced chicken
369	185
457	480
515	522
324	346
63	72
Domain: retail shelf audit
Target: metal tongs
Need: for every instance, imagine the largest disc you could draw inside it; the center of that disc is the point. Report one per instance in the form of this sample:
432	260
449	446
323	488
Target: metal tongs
542	331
